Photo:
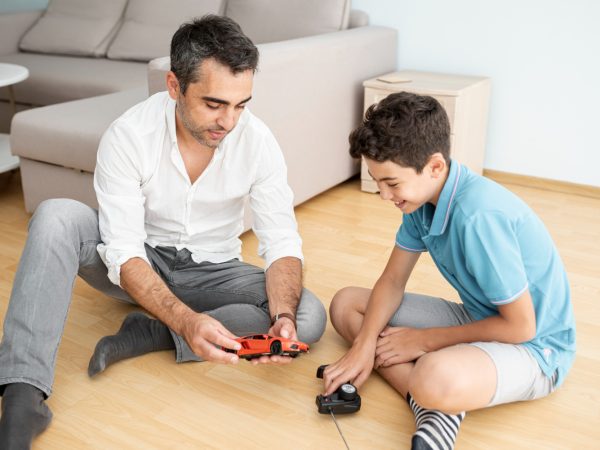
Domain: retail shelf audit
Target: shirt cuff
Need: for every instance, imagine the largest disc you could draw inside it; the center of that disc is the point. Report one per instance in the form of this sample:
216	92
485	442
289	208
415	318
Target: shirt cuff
114	258
274	254
414	249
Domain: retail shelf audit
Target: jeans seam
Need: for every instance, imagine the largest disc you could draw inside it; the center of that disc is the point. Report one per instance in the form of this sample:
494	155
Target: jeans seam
264	299
63	326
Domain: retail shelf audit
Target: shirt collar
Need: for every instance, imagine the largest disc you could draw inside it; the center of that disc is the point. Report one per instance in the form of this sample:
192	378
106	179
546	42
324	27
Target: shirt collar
445	202
170	115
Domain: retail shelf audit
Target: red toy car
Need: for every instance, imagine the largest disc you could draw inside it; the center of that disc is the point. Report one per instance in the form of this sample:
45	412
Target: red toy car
257	345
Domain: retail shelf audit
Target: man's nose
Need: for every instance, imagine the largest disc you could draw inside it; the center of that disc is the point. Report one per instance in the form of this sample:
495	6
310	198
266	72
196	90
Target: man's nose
227	119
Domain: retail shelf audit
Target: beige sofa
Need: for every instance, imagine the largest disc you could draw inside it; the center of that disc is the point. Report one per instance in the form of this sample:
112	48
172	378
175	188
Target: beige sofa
308	91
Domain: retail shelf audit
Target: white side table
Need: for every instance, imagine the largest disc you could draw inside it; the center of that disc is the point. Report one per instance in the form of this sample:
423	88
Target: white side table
10	74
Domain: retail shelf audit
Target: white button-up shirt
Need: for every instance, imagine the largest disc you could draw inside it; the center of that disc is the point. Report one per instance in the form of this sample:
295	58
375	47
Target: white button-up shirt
145	194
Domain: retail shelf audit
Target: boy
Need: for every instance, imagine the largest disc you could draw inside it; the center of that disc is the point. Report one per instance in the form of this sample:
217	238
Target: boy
513	336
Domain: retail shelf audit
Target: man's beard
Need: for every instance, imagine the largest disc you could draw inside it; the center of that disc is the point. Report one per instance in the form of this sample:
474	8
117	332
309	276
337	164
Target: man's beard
196	131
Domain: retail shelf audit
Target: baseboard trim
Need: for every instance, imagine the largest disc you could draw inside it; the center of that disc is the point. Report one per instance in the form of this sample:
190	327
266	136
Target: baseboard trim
543	183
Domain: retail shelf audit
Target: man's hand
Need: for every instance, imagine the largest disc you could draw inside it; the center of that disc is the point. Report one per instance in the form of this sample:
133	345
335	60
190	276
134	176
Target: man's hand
354	367
284	327
397	345
203	334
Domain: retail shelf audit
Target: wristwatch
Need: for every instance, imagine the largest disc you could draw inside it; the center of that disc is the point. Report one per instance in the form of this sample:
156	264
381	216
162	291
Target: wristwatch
278	316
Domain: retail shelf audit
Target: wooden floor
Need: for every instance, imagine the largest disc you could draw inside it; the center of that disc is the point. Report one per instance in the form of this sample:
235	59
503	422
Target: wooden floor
152	403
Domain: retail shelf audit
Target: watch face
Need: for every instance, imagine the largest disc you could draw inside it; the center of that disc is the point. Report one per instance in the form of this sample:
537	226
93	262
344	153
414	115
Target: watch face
348	388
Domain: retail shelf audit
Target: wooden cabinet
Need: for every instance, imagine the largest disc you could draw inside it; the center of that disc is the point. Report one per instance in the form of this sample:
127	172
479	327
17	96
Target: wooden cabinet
465	99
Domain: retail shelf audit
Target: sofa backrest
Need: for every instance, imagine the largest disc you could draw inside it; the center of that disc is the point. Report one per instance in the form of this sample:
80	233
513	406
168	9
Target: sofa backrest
75	27
141	30
148	26
281	20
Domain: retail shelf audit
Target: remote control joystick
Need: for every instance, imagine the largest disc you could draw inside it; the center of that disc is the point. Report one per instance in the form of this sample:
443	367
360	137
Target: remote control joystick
347	391
344	400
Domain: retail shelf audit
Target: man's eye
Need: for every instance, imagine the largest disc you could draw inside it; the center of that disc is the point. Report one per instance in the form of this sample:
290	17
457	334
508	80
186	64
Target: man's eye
241	106
212	106
393	185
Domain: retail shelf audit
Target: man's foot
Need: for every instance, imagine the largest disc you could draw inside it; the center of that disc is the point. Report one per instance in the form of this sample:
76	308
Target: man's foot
435	430
138	335
24	416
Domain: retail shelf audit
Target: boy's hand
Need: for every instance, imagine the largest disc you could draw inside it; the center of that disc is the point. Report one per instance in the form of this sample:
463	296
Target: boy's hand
354	367
397	345
206	336
284	327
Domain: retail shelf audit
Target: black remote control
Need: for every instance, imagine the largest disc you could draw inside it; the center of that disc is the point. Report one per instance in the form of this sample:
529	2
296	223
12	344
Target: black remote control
344	400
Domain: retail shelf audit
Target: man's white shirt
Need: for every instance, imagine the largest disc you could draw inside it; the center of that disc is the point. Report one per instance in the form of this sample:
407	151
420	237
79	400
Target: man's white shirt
145	194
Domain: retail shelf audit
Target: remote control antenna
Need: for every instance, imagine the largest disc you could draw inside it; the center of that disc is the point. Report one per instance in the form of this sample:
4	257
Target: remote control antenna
339	429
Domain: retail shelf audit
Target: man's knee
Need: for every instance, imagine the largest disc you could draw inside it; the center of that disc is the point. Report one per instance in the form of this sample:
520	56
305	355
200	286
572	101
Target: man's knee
58	215
312	318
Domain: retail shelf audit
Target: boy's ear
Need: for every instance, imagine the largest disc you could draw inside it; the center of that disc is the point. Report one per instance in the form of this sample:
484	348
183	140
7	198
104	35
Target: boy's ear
437	165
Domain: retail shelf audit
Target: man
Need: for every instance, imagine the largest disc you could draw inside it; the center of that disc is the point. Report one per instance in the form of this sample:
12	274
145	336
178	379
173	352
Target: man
171	178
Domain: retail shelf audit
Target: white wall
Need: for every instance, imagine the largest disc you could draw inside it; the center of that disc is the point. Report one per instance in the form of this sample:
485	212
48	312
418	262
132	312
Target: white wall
543	57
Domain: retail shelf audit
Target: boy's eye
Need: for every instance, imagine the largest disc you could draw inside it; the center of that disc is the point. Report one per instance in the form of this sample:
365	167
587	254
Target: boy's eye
393	185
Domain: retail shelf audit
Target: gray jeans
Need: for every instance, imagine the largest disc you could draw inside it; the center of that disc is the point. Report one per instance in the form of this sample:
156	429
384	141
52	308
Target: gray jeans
62	241
519	376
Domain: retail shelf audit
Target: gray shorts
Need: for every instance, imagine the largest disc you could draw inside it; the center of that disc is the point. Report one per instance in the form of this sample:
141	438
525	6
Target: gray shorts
518	373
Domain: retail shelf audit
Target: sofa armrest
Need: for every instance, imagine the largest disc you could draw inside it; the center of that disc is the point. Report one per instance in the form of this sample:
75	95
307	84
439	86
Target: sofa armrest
12	28
358	19
157	73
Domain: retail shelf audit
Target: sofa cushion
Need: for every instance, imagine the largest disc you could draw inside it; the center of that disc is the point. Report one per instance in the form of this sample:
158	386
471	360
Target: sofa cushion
149	25
75	27
68	134
56	78
288	19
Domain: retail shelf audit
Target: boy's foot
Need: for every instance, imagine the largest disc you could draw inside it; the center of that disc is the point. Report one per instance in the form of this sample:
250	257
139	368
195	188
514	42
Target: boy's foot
435	430
24	416
138	335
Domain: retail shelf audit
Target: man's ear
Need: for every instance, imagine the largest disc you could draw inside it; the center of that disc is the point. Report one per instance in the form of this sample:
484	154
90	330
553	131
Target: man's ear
437	165
172	85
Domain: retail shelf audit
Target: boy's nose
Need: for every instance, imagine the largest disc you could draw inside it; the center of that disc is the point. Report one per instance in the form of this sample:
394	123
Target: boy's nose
385	195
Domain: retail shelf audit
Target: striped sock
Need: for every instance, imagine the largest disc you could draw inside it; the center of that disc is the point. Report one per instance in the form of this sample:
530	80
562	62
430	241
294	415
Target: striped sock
435	430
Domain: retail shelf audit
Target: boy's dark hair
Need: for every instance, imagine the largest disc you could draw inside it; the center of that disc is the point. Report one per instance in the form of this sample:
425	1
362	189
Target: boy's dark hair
211	36
404	128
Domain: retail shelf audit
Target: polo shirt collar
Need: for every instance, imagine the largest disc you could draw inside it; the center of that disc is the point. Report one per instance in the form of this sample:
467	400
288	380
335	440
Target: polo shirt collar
445	202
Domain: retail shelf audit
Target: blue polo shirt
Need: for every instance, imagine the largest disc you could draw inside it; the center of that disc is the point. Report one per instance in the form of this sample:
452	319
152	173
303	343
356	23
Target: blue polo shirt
491	247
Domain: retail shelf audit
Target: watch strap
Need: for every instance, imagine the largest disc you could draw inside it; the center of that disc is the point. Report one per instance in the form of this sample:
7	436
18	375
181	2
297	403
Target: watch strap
278	316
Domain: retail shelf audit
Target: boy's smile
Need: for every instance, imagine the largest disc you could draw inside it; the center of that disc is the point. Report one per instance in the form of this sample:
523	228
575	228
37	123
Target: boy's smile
406	188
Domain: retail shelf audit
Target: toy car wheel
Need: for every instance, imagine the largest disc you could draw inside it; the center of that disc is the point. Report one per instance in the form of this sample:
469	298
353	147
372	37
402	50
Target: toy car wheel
276	348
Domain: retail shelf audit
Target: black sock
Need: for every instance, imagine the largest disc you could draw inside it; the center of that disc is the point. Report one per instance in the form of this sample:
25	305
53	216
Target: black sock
138	335
24	416
435	430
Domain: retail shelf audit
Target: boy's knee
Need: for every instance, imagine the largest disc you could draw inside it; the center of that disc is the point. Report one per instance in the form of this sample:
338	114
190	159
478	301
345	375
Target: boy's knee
312	318
432	384
341	304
